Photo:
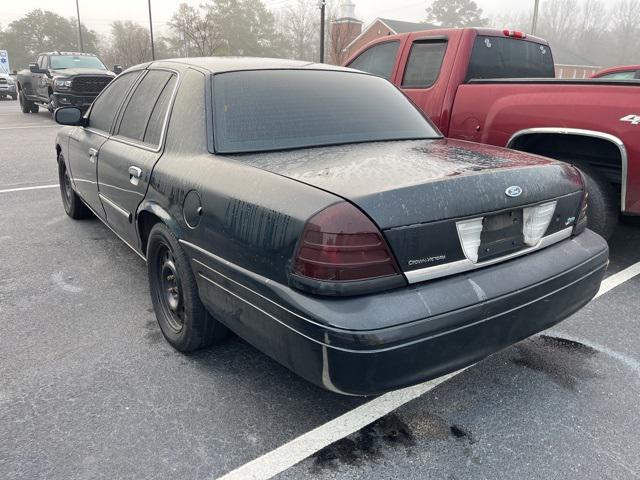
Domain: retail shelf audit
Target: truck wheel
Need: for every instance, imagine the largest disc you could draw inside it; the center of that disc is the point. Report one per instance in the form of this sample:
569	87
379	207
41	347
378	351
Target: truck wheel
25	104
73	205
2	97
34	108
182	317
603	211
53	104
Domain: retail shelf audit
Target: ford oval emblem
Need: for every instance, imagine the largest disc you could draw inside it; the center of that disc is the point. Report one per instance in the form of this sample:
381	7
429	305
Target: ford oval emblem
513	191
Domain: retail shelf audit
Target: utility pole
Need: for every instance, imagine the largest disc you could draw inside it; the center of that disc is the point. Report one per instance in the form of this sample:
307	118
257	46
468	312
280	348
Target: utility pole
79	27
534	23
153	52
322	6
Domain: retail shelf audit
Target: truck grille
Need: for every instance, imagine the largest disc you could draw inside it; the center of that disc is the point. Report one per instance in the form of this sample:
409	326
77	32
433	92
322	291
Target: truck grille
89	84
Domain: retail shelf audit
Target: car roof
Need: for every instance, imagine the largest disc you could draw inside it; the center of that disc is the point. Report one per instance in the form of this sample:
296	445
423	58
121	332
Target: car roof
232	64
74	54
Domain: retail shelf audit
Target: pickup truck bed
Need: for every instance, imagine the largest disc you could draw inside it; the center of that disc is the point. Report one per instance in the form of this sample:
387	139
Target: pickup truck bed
594	123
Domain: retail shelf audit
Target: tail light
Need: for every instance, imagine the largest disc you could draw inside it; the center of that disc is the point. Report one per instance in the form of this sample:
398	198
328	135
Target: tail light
341	246
581	224
514	33
536	221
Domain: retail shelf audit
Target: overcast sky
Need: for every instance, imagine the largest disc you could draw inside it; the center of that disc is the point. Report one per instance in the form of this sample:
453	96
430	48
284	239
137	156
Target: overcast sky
98	14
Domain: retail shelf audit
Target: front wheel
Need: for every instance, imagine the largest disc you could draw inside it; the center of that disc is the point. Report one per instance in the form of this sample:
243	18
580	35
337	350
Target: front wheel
53	104
603	211
73	206
25	105
182	317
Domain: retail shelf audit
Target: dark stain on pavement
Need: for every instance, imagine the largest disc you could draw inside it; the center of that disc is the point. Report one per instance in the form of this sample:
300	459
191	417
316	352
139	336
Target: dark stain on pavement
565	362
365	444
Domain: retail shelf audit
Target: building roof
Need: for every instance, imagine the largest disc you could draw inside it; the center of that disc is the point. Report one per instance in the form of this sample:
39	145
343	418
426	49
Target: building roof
400	26
564	56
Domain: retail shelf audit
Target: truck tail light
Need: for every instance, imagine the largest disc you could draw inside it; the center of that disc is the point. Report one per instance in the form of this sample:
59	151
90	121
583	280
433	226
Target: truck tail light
341	244
514	33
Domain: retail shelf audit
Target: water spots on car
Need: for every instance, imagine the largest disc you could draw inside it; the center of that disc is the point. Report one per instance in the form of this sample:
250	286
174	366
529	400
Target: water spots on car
64	282
565	362
256	225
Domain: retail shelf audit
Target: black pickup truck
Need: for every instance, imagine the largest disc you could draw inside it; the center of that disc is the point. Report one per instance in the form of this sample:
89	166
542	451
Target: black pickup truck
60	79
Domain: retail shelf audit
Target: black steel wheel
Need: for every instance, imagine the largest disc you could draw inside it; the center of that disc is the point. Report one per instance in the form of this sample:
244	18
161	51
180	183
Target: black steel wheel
73	205
182	317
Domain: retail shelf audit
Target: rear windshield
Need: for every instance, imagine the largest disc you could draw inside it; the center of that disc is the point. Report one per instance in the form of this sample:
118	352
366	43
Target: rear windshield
282	109
60	62
497	57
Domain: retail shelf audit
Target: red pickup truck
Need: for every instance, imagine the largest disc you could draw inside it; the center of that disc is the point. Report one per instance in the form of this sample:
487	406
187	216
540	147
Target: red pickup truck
498	87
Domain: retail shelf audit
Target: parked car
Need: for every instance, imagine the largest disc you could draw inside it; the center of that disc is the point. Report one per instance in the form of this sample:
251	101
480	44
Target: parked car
498	87
7	87
62	79
317	213
629	72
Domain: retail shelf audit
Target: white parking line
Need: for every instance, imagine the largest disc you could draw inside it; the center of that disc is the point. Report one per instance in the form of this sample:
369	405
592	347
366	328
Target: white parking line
618	279
35	125
284	457
302	447
22	189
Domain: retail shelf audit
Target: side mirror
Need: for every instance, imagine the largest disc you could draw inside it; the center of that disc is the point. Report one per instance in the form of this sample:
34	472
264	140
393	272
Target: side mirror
117	69
34	68
69	116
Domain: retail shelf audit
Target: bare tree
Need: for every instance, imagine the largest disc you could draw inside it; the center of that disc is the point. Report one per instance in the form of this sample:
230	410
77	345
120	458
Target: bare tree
196	31
625	27
558	20
130	43
299	23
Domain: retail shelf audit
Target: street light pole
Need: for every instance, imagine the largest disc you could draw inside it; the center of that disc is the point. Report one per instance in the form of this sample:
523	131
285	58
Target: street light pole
153	52
534	23
79	27
322	6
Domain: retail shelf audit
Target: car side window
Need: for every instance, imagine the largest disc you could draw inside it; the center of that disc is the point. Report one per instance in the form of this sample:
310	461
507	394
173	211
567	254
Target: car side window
378	59
423	66
105	107
621	75
153	133
40	61
45	62
138	113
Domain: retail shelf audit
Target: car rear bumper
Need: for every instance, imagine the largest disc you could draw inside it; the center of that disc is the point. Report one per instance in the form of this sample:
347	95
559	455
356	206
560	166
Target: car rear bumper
376	343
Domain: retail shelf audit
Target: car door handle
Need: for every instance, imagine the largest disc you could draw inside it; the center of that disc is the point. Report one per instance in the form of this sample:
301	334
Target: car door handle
135	172
134	175
93	154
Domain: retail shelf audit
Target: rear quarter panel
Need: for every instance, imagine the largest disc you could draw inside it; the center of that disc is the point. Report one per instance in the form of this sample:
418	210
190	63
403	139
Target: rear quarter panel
492	113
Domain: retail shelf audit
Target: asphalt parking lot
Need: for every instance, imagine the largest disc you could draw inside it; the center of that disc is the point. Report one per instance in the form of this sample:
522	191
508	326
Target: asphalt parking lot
90	389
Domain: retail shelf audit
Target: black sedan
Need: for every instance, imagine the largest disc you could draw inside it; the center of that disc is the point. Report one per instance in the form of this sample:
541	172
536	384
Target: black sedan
314	211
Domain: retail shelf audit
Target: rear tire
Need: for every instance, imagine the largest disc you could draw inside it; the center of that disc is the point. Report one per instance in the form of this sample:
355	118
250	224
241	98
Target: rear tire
182	317
603	210
73	205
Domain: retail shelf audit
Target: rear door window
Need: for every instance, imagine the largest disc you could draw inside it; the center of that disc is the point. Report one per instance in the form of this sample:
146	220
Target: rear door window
504	57
378	59
423	66
105	107
142	103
